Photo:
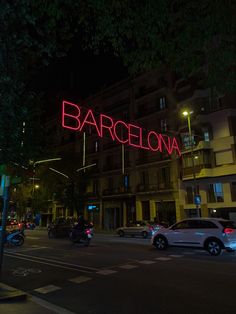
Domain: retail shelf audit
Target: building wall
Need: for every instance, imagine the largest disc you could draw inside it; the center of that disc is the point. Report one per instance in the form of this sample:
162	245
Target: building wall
157	183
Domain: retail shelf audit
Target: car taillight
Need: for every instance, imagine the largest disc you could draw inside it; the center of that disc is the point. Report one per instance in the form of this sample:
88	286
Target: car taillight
228	230
88	231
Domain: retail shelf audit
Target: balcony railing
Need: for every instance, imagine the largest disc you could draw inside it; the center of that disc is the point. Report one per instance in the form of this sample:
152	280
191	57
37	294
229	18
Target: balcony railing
116	191
154	187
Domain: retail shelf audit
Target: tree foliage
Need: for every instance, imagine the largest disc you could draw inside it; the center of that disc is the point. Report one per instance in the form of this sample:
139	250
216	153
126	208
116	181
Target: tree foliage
31	34
182	35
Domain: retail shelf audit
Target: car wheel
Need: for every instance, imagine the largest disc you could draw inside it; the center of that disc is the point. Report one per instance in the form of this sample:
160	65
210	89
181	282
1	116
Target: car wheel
121	233
214	247
160	242
144	234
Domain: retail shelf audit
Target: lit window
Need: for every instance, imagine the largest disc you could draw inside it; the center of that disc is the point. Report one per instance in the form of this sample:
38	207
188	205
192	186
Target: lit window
206	136
162	103
215	193
163	125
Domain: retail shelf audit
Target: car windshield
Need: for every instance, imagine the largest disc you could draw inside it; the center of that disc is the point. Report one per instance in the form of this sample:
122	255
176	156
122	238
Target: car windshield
228	224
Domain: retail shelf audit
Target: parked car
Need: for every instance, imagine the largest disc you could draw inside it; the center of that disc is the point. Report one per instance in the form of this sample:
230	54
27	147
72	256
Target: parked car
60	228
138	228
212	234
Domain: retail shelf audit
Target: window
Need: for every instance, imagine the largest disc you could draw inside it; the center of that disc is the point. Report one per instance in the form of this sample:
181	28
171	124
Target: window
189	196
165	175
233	191
96	146
162	103
204	224
95	187
110	183
126	181
144	178
181	225
163	125
215	193
206	136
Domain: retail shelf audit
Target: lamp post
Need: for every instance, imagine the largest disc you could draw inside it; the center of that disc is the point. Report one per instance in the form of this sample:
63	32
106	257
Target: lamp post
187	114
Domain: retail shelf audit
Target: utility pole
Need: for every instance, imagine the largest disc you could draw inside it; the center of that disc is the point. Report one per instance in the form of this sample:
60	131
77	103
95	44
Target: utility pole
6	187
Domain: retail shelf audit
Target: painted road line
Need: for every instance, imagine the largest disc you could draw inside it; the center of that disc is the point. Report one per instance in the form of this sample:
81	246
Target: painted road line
80	279
146	262
106	272
175	255
54	261
163	259
128	266
47	289
52	307
50	264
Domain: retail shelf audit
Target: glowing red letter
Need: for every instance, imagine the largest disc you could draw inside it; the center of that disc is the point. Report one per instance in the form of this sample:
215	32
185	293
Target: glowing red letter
88	116
135	136
70	116
149	143
115	133
175	146
103	126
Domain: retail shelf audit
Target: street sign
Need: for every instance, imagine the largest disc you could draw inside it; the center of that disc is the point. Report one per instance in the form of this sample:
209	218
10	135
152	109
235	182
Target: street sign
197	199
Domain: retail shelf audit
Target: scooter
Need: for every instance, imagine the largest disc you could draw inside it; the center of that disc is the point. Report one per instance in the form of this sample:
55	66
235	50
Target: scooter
14	237
83	237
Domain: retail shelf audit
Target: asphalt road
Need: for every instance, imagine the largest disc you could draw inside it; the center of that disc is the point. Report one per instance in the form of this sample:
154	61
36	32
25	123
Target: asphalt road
120	275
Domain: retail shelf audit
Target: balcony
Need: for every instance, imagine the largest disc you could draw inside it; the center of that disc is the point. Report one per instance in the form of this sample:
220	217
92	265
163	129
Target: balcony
162	186
116	191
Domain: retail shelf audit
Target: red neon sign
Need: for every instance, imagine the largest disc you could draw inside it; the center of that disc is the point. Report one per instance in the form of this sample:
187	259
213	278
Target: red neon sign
124	133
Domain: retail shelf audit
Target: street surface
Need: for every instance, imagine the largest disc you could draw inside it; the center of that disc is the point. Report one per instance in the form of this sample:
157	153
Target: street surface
120	275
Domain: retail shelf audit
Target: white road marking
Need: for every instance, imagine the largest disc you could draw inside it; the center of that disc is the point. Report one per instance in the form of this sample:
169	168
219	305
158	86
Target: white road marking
50	264
52	307
80	279
52	261
163	258
176	255
106	272
47	289
128	266
146	262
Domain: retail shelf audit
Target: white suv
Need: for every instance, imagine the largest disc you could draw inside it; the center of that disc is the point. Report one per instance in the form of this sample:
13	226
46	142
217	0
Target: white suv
212	234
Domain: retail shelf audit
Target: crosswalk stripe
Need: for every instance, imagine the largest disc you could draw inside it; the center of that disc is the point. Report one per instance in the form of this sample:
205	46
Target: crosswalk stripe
128	266
80	279
47	289
146	262
106	272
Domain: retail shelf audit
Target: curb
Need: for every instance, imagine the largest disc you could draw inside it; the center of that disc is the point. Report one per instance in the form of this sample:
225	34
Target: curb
8	293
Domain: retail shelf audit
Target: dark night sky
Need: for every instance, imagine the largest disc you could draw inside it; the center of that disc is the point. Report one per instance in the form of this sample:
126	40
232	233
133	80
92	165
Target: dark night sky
79	75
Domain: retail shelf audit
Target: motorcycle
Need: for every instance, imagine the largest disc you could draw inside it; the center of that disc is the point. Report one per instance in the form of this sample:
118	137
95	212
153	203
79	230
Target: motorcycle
14	237
82	236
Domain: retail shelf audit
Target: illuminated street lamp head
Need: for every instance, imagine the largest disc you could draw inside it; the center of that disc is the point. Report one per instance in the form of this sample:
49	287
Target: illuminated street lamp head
36	186
185	113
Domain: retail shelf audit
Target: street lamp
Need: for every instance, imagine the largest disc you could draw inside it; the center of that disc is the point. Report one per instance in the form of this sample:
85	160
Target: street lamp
187	114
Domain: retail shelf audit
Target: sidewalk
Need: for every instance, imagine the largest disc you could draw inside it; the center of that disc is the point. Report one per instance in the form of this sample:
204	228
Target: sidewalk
14	301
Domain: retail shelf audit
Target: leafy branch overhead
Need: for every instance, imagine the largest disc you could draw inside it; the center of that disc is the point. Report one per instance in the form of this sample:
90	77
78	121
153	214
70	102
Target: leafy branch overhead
183	35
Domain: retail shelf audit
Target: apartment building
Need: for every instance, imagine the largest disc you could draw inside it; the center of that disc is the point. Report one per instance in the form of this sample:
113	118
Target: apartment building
213	135
128	183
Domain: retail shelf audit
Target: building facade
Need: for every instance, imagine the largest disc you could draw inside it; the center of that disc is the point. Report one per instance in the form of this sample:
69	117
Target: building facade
127	183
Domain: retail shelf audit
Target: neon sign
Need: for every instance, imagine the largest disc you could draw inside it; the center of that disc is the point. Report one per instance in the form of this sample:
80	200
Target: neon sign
76	118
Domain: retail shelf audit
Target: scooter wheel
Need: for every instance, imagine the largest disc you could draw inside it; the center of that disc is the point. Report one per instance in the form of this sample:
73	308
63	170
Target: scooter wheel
18	240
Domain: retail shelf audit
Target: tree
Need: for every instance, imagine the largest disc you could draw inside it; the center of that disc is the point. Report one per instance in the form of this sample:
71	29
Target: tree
181	35
32	33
